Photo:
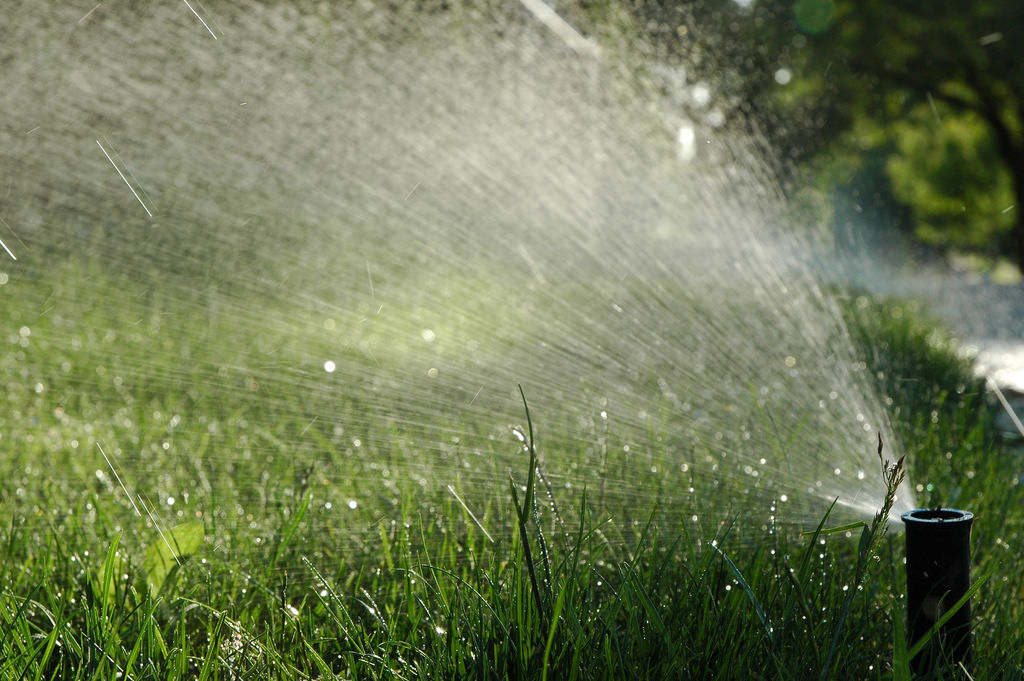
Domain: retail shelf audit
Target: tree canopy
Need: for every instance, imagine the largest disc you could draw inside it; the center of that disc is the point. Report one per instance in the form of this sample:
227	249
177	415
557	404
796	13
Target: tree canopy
934	87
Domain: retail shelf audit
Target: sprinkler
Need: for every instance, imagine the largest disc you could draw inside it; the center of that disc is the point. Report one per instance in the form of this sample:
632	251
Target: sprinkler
938	576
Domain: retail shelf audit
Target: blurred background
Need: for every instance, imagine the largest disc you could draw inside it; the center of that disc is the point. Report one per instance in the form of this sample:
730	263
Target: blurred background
899	125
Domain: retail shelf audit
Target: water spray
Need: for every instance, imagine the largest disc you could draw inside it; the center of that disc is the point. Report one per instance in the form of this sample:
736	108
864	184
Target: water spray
938	578
472	202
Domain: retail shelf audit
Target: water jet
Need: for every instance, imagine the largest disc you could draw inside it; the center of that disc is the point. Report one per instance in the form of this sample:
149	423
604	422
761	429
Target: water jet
345	240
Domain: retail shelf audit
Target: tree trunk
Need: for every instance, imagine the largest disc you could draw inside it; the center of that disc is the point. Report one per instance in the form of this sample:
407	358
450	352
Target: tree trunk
1011	148
1015	239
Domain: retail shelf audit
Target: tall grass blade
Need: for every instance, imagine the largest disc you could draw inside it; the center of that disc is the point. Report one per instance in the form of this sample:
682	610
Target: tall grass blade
946	616
900	655
758	609
653	616
293	525
523	511
559	603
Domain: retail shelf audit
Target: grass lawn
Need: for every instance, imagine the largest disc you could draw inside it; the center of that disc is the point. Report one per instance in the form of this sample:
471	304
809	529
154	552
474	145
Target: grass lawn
221	533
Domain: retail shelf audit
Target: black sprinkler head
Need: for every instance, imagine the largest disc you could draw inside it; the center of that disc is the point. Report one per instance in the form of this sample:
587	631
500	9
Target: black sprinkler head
938	576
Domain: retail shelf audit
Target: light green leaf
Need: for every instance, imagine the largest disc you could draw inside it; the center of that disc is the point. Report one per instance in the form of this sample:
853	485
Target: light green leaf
170	550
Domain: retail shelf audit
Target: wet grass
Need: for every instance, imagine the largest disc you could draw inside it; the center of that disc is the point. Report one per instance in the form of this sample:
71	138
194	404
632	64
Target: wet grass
226	534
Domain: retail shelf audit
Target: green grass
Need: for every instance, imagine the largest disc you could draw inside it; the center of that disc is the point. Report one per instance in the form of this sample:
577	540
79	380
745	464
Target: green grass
316	557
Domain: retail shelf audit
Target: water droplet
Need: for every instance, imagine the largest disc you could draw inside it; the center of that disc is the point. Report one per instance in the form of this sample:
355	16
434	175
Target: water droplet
686	139
519	433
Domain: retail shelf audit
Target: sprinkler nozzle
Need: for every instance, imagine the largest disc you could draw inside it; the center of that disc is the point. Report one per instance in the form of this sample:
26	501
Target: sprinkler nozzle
938	576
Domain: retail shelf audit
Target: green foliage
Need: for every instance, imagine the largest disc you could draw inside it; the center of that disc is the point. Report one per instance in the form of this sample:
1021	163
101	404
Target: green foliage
949	172
836	82
166	554
939	81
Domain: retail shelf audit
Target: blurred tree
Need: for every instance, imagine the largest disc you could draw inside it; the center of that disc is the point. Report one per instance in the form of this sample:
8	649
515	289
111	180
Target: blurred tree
949	172
936	85
943	82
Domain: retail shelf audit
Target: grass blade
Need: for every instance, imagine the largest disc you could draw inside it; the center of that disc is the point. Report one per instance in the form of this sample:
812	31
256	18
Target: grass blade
758	609
946	616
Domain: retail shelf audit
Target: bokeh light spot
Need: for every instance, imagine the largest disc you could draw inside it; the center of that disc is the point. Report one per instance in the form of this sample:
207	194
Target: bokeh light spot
814	16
